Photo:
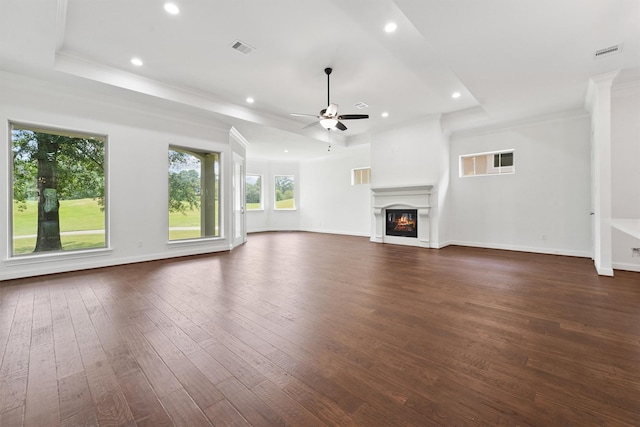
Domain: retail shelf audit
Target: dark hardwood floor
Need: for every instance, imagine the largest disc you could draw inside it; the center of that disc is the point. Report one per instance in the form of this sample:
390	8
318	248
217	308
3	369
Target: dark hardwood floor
306	329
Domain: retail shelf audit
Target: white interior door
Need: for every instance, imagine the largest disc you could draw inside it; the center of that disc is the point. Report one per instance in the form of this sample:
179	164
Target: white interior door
239	221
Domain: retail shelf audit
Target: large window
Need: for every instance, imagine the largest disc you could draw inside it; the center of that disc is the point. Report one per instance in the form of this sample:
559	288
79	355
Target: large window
494	163
194	194
253	190
284	192
58	190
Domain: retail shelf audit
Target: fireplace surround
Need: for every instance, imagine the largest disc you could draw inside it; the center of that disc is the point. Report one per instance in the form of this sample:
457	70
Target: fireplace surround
415	198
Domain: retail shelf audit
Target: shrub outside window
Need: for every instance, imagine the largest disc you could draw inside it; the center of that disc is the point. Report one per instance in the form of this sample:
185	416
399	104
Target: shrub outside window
194	194
284	192
253	192
58	190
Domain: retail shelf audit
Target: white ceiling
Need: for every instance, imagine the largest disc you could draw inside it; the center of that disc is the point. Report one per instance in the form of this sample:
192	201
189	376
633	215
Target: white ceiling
508	59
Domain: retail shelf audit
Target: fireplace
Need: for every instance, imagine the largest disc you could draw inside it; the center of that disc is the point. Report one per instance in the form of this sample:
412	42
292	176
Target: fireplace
402	222
402	215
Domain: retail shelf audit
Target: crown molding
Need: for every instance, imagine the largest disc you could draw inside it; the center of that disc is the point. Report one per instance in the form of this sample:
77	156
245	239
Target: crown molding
577	113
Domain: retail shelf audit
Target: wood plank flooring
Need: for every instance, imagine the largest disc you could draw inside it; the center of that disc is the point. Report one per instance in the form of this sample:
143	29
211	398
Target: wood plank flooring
304	329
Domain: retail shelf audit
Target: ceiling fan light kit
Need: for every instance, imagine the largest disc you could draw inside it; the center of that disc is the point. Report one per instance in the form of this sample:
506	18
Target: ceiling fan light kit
328	123
328	117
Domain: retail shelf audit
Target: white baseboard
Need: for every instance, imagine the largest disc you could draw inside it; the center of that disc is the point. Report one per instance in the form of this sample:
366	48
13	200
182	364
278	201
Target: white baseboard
549	251
342	233
41	269
626	266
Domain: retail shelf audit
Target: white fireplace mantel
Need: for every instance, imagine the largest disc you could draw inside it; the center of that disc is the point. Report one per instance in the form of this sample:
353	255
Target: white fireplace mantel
409	197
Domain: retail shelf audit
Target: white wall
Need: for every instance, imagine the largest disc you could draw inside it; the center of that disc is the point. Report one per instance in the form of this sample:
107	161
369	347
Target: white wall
329	203
543	207
138	139
625	170
270	219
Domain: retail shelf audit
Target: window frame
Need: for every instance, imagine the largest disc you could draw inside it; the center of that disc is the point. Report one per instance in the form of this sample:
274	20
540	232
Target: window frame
358	171
489	166
200	154
275	188
43	256
261	208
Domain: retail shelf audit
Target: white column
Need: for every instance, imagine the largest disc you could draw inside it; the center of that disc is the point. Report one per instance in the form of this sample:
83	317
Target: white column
598	103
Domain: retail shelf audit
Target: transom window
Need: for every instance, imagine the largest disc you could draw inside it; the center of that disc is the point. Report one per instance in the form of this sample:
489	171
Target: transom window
194	194
493	163
361	176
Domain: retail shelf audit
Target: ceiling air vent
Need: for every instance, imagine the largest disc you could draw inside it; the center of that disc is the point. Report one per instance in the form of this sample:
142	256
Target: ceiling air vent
242	47
607	51
360	105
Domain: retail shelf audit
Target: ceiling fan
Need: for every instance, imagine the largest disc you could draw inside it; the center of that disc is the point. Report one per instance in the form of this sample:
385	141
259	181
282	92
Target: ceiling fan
329	118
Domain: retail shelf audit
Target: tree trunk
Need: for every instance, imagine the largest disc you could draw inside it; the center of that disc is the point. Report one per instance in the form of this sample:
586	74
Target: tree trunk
48	238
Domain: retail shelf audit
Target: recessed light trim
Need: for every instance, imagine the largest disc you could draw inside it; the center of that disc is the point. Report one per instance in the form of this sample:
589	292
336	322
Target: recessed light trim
137	62
250	100
385	114
390	27
171	8
456	95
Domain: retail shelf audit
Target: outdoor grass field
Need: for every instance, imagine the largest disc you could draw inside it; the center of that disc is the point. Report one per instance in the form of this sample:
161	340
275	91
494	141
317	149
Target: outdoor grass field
285	204
83	215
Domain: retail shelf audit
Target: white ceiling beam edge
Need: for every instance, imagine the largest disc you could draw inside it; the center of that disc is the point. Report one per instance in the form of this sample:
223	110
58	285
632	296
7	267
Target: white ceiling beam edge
78	66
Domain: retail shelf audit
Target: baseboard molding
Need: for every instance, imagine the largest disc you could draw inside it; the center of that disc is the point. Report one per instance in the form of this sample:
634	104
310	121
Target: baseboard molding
440	245
626	266
342	233
43	269
549	251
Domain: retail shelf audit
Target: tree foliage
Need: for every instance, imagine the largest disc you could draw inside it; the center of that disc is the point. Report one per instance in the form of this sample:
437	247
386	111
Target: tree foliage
79	165
184	182
49	167
284	188
254	191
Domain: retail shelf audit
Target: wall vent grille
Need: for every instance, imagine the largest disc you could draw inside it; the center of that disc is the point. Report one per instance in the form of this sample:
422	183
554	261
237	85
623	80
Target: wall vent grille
242	47
607	51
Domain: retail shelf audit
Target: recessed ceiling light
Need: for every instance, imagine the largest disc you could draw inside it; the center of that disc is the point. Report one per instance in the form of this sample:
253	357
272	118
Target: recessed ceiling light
172	8
250	100
286	151
385	114
456	95
390	27
137	62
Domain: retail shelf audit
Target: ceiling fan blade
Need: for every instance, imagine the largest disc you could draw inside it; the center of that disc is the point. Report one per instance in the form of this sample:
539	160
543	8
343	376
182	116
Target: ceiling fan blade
305	115
353	116
341	126
332	110
310	124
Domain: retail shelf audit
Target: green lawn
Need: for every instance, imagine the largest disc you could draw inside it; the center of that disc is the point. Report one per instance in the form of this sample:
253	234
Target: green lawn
75	215
253	206
85	214
285	204
189	219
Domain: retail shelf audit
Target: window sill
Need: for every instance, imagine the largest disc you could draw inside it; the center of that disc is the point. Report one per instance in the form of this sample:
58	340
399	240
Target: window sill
56	256
194	242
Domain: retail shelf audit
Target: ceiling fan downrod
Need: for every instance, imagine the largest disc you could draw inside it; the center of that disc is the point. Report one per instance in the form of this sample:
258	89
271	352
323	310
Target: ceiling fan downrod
328	71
